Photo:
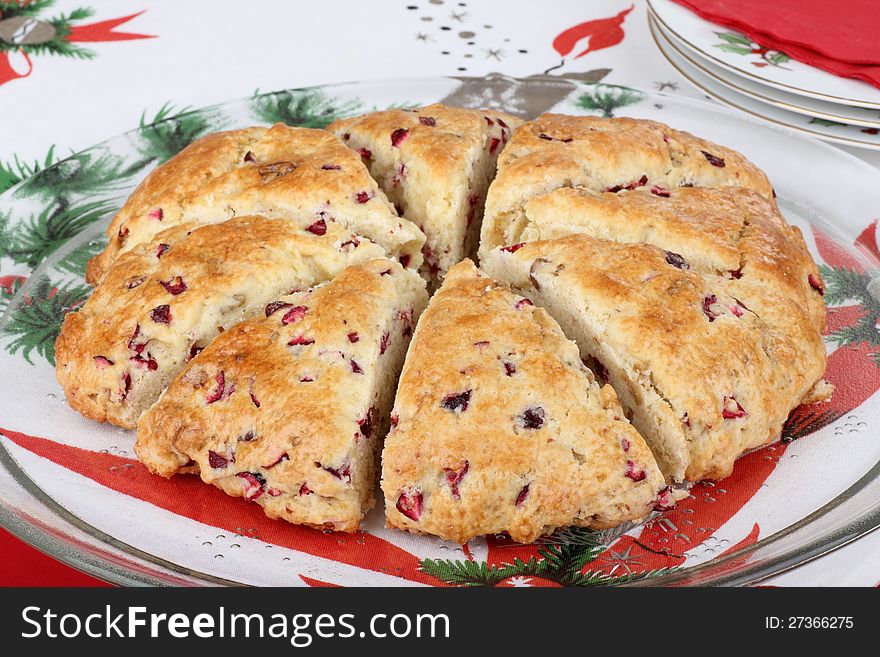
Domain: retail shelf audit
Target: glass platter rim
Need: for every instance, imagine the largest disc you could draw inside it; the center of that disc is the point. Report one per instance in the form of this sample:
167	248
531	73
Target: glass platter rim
140	567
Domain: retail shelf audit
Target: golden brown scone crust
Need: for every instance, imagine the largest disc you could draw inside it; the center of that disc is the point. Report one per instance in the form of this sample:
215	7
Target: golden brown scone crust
716	230
299	174
118	352
533	444
600	154
711	339
301	429
435	163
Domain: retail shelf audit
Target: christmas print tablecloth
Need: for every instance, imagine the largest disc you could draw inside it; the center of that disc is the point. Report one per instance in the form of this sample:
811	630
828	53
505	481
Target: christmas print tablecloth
74	72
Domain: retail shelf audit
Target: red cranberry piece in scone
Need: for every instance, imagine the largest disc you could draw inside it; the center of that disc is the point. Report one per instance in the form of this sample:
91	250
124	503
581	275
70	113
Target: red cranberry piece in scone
498	427
289	409
435	152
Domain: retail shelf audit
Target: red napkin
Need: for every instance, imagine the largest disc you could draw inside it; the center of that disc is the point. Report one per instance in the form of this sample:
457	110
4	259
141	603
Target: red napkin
841	37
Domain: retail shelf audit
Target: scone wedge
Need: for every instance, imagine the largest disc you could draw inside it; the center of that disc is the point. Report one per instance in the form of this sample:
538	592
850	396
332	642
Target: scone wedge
435	164
710	340
289	409
604	155
302	175
162	302
498	426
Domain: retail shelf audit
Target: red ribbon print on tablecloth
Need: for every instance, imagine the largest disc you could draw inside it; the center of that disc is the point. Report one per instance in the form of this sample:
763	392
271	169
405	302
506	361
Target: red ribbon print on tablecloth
15	62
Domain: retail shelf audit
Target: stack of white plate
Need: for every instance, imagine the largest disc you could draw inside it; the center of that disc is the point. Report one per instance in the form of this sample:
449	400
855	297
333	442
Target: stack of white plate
728	66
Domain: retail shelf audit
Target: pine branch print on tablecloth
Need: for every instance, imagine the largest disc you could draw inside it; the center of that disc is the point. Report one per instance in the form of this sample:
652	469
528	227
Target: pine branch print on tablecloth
30	241
842	286
607	98
170	131
74	262
13	172
23	33
38	319
58	44
562	563
9	287
91	172
302	108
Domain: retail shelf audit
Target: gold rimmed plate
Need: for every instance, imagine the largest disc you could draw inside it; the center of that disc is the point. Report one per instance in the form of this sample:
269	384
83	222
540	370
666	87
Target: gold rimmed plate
737	54
719	89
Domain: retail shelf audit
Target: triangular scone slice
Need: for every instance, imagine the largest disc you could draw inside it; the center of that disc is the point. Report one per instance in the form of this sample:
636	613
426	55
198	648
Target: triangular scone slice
289	410
163	302
604	155
499	427
708	363
727	231
720	230
299	174
435	164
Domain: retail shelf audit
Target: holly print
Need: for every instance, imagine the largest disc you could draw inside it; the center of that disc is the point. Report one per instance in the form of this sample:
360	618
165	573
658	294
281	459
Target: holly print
739	44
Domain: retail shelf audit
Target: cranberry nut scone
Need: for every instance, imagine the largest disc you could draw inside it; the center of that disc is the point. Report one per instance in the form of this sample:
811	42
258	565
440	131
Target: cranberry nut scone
603	155
162	302
289	409
435	163
710	346
303	175
498	426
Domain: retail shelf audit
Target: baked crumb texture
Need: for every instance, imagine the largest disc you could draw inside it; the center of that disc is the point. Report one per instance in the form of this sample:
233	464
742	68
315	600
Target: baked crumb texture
435	164
687	291
646	316
499	427
289	409
164	301
302	175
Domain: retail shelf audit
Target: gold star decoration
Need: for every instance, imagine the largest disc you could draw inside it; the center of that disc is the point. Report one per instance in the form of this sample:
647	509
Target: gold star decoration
496	54
422	37
458	17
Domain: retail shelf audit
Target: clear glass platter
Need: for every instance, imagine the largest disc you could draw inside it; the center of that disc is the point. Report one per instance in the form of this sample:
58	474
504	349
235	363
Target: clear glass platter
73	489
